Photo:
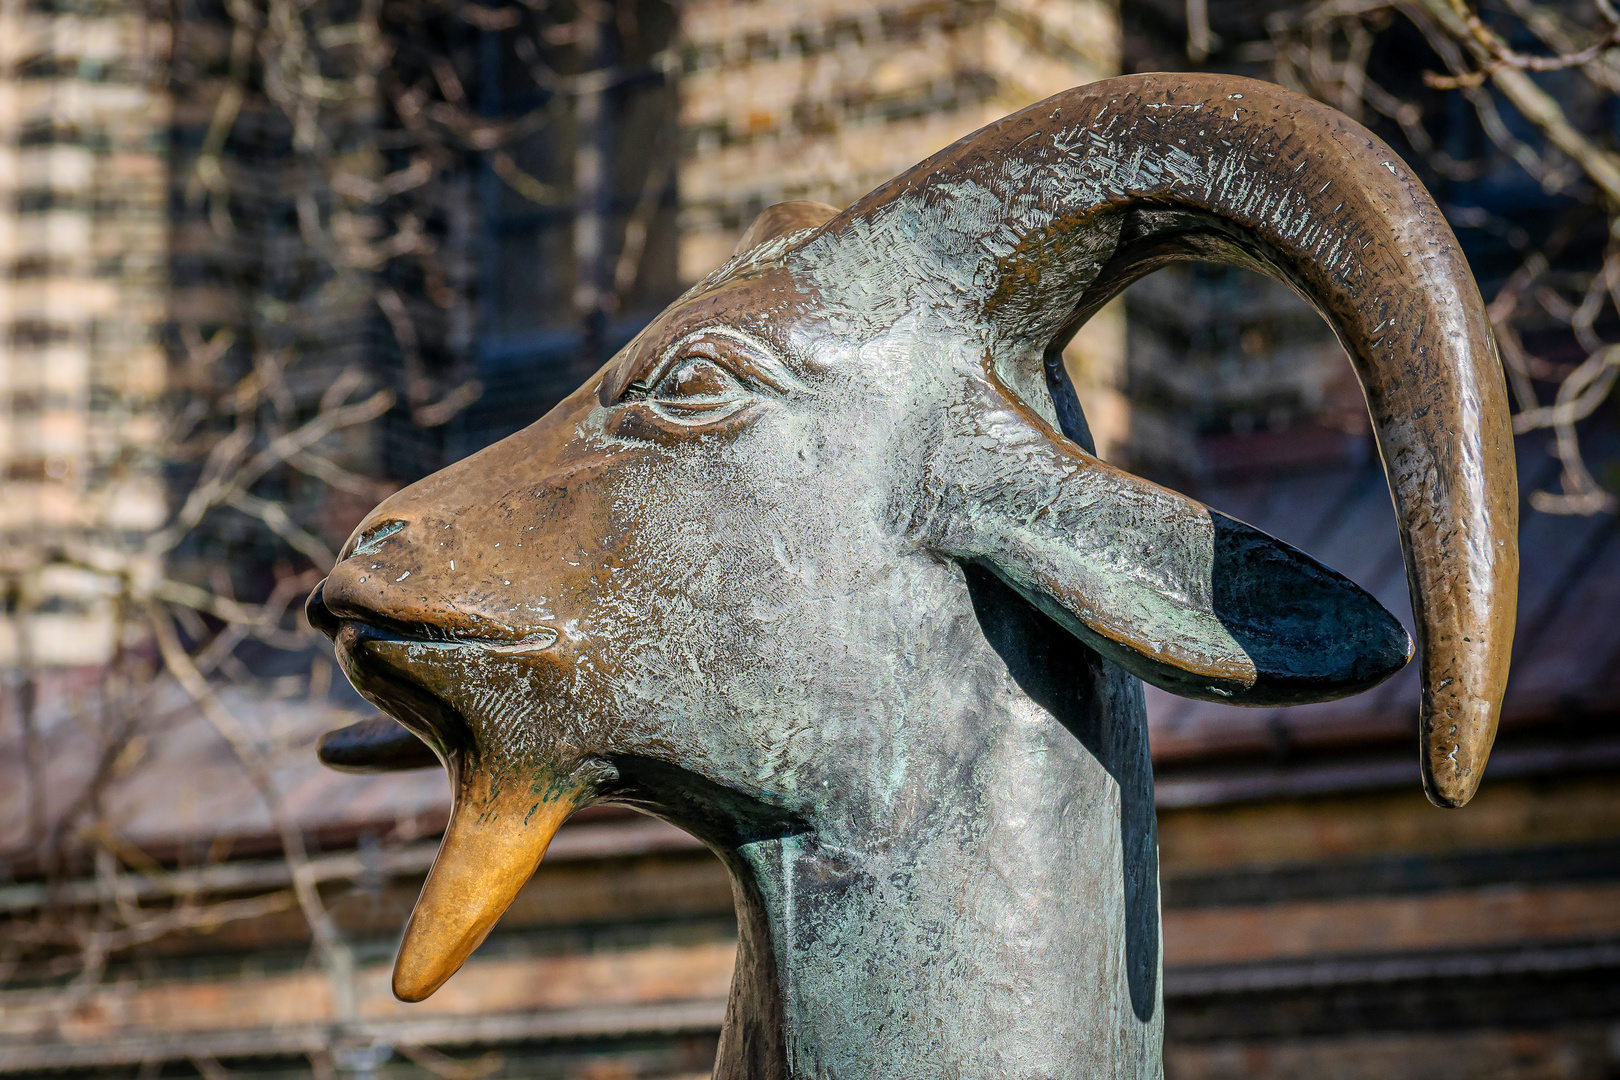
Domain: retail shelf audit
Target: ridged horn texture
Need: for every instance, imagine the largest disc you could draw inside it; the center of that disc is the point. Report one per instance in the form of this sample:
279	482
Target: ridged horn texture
1039	219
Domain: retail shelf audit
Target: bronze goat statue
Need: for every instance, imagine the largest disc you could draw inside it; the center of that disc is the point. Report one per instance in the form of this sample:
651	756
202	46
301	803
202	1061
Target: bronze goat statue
822	568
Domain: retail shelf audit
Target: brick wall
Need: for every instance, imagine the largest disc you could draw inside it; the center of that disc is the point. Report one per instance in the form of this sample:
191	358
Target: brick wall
827	99
83	183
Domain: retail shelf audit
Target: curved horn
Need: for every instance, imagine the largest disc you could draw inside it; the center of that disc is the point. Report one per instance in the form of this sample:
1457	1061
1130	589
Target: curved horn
1039	219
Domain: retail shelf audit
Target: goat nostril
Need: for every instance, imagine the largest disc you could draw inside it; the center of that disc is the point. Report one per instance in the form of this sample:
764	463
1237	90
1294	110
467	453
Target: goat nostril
371	541
319	615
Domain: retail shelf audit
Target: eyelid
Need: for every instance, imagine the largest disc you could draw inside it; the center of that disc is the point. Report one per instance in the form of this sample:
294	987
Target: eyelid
748	360
683	359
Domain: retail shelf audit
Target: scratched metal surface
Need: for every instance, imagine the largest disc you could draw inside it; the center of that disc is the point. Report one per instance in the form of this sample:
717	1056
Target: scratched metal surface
818	569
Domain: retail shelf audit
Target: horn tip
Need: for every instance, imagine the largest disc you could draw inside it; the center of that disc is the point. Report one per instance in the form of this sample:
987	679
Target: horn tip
1450	783
415	982
1446	797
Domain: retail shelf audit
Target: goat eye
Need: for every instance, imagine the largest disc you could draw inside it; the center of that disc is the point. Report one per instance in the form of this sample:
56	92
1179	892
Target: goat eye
707	383
697	378
696	392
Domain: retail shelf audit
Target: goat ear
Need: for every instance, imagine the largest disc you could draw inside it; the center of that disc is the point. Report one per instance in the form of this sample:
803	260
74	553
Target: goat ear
783	218
1030	225
1186	598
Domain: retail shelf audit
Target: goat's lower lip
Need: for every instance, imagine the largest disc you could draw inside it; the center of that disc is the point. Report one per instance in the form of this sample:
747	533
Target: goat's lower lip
412	678
393	683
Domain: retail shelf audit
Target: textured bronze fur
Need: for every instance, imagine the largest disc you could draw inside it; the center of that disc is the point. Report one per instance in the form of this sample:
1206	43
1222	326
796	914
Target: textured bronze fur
821	569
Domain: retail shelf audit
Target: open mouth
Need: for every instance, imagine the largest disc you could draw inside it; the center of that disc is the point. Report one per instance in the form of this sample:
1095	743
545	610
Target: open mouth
412	670
346	625
379	665
382	655
410	676
533	642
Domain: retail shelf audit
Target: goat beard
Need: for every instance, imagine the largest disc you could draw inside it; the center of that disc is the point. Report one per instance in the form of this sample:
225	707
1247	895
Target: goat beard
499	831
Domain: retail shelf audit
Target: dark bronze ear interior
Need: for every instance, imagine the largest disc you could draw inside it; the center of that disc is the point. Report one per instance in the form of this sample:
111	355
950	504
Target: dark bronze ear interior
1188	599
377	745
1312	633
1286	630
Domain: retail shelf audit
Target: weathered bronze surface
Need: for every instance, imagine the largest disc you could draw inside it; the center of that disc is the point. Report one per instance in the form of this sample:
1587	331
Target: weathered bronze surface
793	572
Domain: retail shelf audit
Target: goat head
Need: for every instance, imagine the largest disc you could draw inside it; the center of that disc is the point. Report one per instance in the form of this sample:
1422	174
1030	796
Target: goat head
727	580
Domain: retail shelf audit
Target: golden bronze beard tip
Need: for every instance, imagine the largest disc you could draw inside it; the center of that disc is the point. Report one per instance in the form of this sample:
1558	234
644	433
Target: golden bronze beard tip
490	849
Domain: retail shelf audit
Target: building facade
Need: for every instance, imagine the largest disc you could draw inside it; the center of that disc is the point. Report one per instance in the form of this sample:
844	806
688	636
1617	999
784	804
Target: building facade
83	236
825	100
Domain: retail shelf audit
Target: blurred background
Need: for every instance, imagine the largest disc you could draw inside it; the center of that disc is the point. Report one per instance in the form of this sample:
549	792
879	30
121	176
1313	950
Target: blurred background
264	261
